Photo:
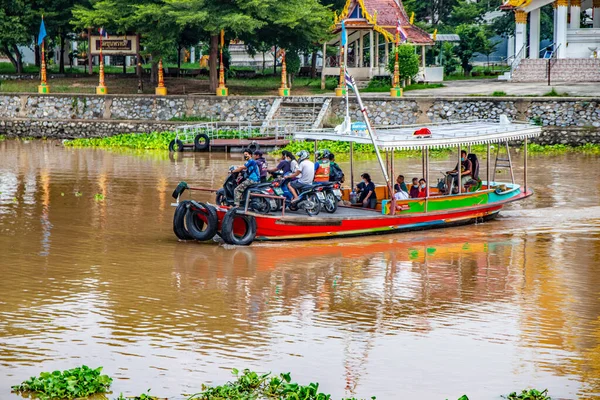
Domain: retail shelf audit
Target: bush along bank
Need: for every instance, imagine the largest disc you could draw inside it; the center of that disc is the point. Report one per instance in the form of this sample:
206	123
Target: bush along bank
82	382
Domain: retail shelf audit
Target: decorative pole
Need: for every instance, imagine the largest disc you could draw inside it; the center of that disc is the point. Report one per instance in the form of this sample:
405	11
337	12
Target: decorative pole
396	90
101	88
284	90
222	89
43	88
341	89
161	89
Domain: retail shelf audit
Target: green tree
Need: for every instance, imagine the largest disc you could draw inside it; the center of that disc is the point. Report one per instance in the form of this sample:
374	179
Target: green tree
472	40
15	18
292	61
408	61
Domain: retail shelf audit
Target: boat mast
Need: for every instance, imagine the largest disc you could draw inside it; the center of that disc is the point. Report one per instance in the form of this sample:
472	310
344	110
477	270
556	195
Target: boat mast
363	111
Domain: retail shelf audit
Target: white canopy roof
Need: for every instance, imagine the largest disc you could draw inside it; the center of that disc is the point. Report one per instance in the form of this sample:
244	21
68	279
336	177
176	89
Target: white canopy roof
442	135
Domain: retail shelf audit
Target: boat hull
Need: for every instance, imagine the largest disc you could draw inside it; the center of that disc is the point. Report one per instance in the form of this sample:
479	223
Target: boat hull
350	222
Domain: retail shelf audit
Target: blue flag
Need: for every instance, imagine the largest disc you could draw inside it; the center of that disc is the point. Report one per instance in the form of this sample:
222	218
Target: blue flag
42	34
344	35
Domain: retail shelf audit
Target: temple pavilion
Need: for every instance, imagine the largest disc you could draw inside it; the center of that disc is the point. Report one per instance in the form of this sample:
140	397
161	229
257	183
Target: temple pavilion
371	31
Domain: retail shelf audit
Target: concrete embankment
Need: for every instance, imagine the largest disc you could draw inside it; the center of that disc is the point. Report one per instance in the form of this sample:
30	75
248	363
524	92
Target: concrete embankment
566	120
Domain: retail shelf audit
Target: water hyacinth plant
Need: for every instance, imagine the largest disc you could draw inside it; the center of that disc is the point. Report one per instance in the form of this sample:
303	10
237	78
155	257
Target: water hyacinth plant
68	384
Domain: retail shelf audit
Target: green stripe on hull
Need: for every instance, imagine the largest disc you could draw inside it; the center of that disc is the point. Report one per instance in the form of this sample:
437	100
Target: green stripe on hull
447	203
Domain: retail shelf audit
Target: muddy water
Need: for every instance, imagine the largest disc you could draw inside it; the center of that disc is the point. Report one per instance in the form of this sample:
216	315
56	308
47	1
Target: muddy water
482	310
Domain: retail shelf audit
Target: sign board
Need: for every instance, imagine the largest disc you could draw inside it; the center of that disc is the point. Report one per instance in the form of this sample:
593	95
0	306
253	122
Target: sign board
114	45
359	129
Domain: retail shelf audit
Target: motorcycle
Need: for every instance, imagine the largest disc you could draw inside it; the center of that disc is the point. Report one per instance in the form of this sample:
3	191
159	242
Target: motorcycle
261	205
332	195
310	196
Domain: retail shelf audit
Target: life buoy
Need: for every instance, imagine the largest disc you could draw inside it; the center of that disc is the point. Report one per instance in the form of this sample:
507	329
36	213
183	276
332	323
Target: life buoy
178	221
175	145
227	228
201	142
201	221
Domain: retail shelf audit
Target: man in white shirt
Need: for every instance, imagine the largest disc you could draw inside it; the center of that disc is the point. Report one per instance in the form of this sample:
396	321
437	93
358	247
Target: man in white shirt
305	172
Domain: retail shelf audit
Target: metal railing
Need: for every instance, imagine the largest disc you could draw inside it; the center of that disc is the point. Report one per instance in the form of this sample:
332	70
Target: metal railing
517	60
551	62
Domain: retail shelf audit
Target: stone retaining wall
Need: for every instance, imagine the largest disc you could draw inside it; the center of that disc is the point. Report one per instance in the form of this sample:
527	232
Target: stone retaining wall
64	115
69	129
134	107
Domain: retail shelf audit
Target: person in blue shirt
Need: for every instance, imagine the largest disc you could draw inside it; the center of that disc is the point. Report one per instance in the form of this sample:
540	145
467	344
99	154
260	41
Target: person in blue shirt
252	172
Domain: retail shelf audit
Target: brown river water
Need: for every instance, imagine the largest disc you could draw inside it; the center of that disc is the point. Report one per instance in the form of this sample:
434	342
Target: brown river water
481	310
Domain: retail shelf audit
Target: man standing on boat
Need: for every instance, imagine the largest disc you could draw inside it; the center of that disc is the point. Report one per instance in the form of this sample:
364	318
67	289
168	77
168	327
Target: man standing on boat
305	172
466	170
252	176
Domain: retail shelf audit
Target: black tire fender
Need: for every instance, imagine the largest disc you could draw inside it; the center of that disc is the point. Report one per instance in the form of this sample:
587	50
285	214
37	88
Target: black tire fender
175	145
227	228
178	221
253	147
201	142
201	221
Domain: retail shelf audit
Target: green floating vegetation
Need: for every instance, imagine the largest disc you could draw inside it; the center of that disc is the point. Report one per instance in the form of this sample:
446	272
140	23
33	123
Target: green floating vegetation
154	140
531	394
143	396
251	385
69	384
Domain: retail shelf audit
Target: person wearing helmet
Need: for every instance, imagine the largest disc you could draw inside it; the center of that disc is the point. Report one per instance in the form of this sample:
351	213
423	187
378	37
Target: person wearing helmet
304	172
322	166
335	172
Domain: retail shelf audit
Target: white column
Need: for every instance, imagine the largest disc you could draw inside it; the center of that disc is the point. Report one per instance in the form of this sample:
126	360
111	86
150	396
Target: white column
555	9
575	14
371	52
520	29
561	28
596	13
423	56
193	54
361	48
74	50
534	33
107	60
377	50
510	50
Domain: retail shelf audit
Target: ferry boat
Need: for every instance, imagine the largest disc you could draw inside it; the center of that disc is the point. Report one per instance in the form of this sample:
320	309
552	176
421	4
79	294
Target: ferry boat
437	209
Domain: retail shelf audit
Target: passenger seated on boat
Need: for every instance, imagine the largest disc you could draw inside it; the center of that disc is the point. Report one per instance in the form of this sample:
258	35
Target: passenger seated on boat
322	166
414	189
474	183
422	188
283	165
335	172
400	189
292	160
305	172
252	173
466	169
368	197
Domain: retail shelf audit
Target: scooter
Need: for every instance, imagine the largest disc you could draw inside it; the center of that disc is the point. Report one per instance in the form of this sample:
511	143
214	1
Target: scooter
262	205
333	195
309	197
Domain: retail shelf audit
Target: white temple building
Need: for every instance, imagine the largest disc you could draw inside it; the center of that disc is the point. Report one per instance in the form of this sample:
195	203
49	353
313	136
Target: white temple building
574	52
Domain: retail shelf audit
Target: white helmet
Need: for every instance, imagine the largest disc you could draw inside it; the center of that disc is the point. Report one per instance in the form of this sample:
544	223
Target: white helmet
302	155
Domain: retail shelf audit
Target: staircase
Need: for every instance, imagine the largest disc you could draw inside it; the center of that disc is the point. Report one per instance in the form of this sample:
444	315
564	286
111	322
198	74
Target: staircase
563	70
298	111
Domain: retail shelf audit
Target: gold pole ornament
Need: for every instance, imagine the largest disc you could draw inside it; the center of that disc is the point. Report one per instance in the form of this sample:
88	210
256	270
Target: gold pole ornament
396	90
284	90
101	88
222	89
43	88
520	17
341	89
161	89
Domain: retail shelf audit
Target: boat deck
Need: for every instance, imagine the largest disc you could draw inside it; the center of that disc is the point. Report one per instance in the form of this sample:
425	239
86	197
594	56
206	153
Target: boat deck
342	213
